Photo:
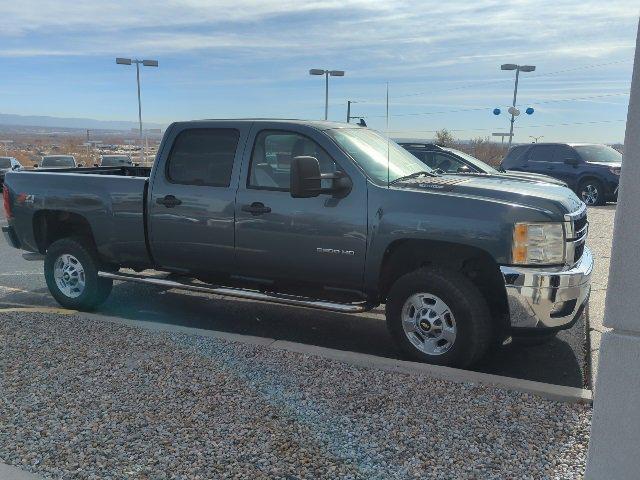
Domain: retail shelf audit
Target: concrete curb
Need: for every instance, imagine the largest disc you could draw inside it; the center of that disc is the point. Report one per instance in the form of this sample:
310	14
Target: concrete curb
7	472
546	390
588	367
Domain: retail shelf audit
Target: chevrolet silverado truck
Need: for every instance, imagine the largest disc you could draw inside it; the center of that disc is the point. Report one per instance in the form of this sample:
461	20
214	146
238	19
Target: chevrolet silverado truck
318	215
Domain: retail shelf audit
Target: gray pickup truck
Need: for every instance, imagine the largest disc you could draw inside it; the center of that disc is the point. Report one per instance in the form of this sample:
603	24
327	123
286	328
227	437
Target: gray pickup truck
318	215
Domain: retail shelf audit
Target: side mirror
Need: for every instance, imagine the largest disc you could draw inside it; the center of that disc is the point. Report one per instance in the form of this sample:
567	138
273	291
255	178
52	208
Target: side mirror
305	177
35	165
464	169
571	161
15	167
80	165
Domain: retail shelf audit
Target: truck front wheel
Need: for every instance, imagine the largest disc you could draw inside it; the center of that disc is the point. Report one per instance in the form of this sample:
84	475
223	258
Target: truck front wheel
438	316
71	268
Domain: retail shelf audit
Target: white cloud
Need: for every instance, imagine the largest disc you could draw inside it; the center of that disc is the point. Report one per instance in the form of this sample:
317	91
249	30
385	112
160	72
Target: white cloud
403	30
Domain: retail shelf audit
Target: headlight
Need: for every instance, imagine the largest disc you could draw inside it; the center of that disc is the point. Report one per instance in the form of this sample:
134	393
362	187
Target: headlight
538	244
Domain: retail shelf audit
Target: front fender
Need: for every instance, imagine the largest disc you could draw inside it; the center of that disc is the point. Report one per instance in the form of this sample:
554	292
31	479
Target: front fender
484	224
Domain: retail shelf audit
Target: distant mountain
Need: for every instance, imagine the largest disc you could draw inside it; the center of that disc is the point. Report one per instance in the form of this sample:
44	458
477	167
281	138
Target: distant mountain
80	123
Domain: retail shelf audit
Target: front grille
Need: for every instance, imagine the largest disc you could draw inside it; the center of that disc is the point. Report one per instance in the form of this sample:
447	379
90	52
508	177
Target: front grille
577	236
580	223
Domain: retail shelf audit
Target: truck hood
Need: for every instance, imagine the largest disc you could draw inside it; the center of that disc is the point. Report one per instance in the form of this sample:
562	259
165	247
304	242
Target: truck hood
549	197
534	177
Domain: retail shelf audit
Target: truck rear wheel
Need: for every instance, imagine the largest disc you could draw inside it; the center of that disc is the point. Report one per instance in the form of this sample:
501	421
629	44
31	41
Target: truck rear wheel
438	316
71	268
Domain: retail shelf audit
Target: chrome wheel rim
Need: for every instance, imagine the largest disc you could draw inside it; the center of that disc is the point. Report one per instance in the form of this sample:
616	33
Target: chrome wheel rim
68	273
429	324
589	194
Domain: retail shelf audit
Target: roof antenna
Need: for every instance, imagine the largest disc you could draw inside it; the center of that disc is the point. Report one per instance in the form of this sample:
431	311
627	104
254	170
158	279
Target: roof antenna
388	146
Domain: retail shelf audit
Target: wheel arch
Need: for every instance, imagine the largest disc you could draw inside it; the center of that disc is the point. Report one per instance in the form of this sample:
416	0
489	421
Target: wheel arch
52	225
589	176
404	256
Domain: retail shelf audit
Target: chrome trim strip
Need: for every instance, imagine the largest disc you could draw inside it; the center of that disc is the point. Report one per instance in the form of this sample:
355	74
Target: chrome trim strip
574	238
242	293
577	214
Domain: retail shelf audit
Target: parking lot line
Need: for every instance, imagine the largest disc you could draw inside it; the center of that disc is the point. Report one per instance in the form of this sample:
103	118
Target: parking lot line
60	311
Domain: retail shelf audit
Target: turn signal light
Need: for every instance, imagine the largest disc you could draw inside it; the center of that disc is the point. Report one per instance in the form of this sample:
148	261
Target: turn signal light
521	233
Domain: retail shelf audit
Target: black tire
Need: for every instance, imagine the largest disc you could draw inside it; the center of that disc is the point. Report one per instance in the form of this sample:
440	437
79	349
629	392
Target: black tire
473	320
584	189
96	290
534	340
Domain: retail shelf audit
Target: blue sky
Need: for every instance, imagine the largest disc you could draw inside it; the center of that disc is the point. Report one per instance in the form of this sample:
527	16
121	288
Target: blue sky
245	58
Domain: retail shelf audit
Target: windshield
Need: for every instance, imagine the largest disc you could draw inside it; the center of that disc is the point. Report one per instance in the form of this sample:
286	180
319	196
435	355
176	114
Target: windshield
5	162
369	150
112	160
485	167
58	162
598	153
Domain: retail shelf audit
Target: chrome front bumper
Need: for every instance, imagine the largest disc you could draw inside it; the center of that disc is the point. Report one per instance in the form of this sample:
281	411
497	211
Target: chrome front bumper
548	298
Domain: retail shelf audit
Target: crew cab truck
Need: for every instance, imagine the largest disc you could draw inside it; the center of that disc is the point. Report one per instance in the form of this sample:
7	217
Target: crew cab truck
318	215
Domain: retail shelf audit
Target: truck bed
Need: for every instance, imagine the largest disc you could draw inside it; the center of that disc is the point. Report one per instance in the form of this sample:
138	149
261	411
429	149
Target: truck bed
111	200
122	171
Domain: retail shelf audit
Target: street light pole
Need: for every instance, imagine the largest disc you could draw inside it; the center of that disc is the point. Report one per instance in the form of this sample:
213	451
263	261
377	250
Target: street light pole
146	63
513	117
326	95
326	73
142	159
353	117
517	68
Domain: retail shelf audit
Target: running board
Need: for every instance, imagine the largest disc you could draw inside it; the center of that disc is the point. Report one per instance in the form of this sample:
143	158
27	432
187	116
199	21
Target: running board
242	293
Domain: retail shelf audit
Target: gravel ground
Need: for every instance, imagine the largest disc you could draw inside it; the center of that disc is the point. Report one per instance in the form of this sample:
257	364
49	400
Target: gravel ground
88	399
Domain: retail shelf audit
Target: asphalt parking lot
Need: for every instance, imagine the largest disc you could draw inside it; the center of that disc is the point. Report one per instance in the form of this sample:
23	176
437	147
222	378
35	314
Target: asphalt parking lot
561	361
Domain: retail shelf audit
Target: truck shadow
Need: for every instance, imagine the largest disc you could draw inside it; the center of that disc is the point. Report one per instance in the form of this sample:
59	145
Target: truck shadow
560	361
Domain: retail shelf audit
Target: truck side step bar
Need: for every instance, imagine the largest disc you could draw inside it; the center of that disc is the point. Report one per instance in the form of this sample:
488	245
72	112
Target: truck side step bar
241	293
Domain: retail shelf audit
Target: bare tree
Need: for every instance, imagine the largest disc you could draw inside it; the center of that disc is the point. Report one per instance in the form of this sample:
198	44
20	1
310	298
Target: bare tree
483	149
445	138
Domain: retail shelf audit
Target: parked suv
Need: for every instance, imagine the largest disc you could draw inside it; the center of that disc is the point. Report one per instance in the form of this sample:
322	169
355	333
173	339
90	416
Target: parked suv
450	160
590	170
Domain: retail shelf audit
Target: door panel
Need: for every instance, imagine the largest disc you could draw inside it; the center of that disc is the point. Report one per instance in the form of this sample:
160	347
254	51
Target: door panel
540	159
320	240
564	171
192	201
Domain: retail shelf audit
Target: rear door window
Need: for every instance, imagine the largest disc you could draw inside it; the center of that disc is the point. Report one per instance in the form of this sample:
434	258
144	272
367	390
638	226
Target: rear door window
203	156
542	153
